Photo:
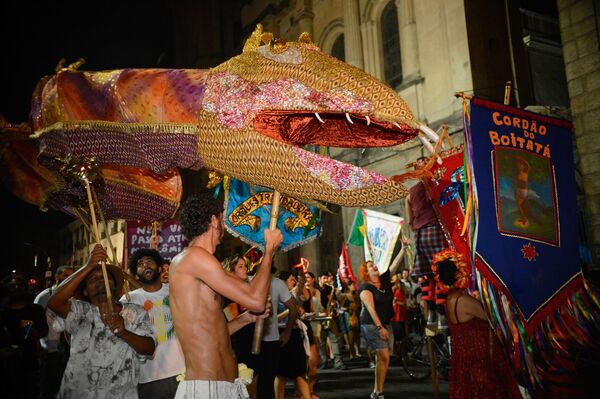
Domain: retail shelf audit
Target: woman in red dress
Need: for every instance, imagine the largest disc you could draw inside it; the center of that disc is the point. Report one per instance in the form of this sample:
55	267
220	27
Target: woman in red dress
479	367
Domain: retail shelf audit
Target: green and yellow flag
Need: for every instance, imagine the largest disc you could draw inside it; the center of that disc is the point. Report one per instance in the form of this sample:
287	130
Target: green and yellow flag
357	234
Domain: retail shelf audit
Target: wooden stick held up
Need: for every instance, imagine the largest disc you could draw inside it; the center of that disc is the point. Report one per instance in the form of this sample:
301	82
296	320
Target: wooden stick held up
259	326
113	250
463	95
98	241
433	365
507	88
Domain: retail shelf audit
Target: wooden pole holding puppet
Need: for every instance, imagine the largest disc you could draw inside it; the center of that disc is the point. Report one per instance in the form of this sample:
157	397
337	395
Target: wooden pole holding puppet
259	326
85	170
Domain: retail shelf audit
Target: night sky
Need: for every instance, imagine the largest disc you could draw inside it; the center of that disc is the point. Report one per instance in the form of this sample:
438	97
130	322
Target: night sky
34	36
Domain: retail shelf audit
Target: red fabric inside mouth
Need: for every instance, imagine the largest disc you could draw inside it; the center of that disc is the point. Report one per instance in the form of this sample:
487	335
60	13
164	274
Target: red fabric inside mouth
301	128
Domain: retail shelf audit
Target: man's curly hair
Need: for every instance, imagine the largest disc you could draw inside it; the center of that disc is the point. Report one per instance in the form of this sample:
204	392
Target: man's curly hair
195	214
139	254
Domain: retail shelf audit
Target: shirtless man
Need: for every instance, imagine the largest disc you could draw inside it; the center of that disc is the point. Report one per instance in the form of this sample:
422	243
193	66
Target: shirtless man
197	283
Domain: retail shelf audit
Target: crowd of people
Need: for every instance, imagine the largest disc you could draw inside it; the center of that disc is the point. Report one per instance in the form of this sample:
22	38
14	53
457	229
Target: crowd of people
187	330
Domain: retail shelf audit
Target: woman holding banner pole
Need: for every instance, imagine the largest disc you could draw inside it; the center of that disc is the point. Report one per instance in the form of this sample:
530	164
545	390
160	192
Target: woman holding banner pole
377	298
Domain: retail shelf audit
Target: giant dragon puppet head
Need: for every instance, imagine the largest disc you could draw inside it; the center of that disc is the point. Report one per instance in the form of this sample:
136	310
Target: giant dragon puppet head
261	107
248	118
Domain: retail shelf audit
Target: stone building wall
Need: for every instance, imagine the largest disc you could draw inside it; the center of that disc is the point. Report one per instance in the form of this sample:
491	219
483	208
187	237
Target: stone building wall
581	51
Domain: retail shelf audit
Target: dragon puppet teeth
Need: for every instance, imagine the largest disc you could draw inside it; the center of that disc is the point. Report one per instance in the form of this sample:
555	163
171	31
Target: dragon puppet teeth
319	117
368	120
348	118
426	134
426	143
397	125
431	135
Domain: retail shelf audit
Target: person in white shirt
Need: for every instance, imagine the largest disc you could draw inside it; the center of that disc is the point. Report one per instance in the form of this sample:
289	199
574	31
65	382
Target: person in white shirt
109	341
157	375
54	361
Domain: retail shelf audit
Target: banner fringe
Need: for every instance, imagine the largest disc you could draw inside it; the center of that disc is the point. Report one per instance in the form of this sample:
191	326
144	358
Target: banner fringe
549	350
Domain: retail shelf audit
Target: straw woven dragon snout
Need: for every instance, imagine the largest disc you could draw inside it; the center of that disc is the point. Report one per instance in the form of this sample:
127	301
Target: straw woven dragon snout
261	107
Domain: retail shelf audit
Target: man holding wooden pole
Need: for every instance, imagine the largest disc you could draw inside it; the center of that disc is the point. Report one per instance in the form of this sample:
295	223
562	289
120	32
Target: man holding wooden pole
197	283
107	342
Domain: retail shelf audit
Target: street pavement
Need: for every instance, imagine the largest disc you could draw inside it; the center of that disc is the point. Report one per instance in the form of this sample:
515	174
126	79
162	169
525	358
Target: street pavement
357	382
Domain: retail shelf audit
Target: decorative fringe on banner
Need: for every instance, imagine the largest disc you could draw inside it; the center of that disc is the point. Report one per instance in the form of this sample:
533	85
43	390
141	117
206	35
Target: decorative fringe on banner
471	209
546	354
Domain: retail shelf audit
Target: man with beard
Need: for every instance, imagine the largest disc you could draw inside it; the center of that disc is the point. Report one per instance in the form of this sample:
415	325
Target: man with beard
197	285
157	375
106	347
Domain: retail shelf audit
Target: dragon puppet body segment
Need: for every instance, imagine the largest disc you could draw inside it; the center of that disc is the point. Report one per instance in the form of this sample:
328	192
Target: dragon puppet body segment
248	118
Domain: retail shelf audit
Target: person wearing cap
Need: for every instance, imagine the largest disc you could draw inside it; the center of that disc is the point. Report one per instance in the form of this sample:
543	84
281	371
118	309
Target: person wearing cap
106	348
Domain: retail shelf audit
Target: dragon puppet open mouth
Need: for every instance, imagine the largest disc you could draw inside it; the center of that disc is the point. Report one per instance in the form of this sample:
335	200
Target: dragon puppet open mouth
276	97
250	118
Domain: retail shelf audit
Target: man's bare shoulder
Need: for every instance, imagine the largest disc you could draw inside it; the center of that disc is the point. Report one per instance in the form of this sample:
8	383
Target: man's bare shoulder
189	254
191	260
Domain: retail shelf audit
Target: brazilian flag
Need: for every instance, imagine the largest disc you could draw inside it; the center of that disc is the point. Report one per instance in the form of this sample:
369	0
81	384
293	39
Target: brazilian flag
357	234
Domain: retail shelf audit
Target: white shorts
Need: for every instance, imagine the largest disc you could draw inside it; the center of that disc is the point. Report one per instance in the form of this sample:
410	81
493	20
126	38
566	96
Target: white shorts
316	326
201	389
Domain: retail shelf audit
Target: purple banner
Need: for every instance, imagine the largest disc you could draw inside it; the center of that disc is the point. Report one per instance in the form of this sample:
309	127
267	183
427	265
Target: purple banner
171	241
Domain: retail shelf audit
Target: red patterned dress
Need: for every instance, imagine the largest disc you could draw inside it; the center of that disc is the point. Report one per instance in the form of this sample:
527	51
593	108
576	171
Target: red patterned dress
475	372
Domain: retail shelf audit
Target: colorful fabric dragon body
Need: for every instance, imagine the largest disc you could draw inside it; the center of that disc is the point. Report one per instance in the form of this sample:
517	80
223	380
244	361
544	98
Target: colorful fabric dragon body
248	118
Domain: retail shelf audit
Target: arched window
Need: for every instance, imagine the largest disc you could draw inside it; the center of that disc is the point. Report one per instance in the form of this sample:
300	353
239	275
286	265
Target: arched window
337	50
392	63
